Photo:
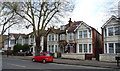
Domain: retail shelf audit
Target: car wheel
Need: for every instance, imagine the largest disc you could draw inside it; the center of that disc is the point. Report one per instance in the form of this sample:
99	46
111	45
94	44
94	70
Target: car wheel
44	61
33	60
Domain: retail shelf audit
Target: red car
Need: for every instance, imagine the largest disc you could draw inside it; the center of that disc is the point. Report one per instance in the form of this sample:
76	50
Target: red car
44	57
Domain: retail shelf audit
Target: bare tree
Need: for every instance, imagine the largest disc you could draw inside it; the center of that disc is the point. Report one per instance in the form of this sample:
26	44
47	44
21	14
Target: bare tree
41	13
8	18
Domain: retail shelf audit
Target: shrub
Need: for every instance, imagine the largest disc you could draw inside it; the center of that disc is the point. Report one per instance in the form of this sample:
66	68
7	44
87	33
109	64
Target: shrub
17	48
25	47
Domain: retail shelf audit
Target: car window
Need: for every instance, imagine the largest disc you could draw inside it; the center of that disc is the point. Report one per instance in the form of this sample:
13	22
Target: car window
37	55
42	54
48	55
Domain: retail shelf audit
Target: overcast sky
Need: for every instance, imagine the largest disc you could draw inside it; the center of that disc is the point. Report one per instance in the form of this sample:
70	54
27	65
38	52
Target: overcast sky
92	12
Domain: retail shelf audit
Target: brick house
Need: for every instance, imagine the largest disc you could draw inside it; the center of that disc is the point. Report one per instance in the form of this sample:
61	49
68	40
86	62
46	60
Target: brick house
110	39
88	41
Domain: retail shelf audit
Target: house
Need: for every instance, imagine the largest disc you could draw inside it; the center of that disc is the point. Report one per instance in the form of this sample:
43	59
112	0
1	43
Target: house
15	39
88	41
32	43
82	39
110	39
52	40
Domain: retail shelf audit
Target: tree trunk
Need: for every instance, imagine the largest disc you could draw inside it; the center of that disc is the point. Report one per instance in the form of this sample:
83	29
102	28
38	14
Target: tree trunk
38	47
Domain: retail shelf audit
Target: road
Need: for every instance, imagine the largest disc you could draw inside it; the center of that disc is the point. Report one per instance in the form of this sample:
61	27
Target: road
10	63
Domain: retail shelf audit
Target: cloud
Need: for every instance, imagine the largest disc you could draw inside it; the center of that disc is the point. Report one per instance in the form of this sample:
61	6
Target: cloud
93	12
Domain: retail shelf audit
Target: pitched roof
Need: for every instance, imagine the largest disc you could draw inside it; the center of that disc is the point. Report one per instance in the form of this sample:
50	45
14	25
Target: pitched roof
18	35
112	17
73	26
56	31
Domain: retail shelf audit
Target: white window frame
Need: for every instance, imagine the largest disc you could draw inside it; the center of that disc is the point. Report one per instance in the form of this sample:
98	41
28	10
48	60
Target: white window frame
113	31
88	52
108	47
88	34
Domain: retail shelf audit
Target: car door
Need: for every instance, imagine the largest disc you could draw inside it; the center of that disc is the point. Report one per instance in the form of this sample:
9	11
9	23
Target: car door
40	58
37	57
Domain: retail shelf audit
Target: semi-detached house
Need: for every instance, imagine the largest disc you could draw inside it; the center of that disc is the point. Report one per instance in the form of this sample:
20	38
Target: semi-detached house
82	39
110	39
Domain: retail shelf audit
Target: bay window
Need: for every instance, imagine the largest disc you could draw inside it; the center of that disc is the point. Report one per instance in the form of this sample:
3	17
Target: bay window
80	48
111	48
117	45
85	48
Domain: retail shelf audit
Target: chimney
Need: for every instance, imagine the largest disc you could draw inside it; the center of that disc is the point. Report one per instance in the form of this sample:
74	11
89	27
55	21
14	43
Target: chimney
70	22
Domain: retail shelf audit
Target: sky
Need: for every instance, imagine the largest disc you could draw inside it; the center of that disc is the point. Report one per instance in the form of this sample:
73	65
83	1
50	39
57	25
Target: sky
93	12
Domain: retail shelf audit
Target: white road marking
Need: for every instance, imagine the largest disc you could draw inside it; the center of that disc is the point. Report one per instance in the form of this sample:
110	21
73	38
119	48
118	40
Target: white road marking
17	65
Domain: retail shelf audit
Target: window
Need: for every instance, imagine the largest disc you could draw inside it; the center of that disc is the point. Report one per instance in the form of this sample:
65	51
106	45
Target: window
110	31
49	37
117	45
105	32
56	37
85	48
52	48
49	48
80	34
71	36
12	42
62	37
111	48
90	33
117	30
80	48
52	37
85	33
105	48
56	48
90	49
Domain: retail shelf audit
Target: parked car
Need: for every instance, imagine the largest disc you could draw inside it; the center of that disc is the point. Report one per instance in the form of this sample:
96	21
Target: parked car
28	53
44	57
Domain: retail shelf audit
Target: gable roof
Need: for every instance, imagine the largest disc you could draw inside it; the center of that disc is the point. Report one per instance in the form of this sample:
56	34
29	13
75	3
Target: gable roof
83	24
112	17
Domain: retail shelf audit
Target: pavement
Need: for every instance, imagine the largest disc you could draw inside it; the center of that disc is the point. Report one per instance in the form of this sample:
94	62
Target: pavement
91	63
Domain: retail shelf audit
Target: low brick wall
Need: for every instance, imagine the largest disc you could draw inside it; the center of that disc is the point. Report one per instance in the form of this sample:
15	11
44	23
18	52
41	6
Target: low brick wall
73	56
108	57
